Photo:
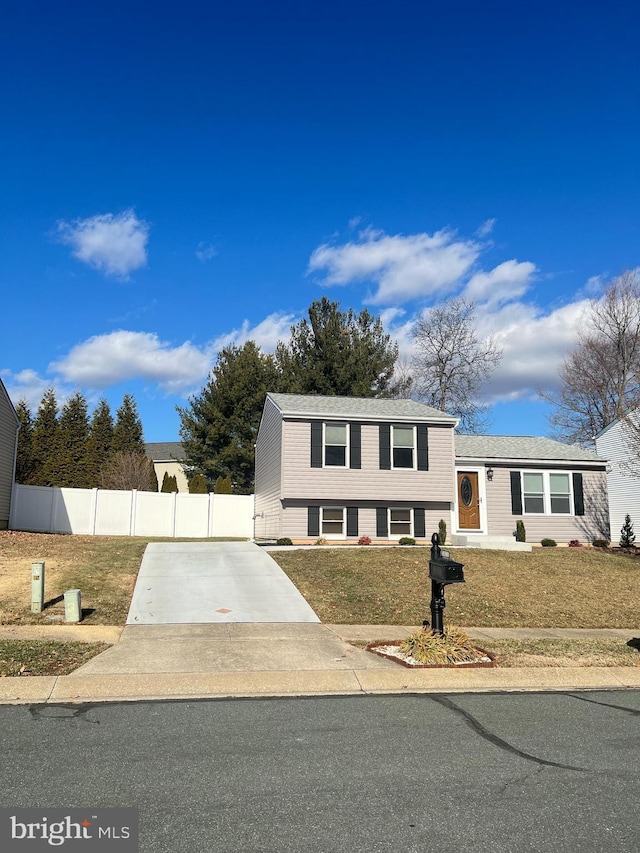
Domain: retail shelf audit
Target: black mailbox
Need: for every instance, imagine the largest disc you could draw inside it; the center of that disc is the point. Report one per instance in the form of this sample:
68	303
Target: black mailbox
443	569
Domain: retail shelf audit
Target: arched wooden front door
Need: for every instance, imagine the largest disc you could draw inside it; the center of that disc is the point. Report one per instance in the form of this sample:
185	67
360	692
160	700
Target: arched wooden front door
468	501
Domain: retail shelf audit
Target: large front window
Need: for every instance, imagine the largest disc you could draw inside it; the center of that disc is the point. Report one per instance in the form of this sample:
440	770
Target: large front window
546	493
335	445
402	441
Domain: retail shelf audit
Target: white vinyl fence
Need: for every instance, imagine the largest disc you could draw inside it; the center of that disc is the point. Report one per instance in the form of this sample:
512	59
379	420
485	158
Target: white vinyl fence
98	512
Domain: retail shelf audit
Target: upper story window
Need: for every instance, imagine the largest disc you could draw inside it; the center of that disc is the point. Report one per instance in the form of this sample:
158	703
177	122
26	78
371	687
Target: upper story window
546	493
403	446
336	443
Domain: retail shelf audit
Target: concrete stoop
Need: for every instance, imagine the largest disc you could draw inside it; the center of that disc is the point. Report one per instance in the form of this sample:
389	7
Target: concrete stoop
496	543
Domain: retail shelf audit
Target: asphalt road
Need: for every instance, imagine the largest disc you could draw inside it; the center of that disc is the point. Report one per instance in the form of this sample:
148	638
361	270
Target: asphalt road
466	772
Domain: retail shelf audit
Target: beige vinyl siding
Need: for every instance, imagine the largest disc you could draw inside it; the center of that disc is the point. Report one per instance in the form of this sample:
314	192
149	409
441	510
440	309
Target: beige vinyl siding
268	474
592	525
295	516
8	439
300	480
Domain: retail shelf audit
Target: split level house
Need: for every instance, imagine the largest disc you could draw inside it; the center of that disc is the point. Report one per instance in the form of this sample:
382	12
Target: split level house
341	468
8	447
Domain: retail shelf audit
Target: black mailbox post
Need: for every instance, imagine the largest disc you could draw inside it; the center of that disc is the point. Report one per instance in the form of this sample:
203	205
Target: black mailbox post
442	571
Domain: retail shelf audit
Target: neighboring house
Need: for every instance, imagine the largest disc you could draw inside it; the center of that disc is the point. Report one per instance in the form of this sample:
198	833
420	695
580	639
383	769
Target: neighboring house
341	468
616	444
8	447
167	458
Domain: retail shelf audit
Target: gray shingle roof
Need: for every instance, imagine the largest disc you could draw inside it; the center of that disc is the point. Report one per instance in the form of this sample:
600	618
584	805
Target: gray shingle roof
367	408
165	451
520	447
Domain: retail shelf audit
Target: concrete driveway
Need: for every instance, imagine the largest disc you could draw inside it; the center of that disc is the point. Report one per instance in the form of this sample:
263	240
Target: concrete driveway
213	582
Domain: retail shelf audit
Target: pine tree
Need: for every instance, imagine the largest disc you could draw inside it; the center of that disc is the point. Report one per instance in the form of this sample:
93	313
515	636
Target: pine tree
45	443
220	425
169	483
198	485
223	486
127	433
627	536
99	442
24	456
73	427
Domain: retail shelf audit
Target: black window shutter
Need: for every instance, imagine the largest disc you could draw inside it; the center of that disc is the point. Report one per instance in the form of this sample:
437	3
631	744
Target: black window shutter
516	493
578	494
355	442
313	521
352	521
423	448
385	448
419	526
381	522
316	444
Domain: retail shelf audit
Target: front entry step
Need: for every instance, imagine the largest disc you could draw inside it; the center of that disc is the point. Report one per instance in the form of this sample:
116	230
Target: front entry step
496	543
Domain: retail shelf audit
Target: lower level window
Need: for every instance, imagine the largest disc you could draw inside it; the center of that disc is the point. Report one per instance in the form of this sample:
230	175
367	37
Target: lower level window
332	521
400	522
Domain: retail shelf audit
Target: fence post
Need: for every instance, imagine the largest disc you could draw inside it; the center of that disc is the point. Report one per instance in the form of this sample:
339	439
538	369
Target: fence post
132	517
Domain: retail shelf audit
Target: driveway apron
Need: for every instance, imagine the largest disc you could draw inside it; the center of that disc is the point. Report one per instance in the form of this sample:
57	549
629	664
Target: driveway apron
213	582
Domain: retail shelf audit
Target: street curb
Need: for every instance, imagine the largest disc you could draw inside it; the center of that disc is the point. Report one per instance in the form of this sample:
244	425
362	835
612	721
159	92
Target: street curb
75	689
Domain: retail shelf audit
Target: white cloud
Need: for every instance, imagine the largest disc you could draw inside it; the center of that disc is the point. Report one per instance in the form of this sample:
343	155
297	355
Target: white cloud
266	333
205	252
114	244
486	228
29	385
104	360
402	268
503	283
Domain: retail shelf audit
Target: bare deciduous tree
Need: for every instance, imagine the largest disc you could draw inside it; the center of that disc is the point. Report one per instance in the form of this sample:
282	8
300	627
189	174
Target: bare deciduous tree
129	470
600	379
451	362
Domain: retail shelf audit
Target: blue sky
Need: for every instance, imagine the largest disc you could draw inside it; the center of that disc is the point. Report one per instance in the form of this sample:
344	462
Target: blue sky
180	177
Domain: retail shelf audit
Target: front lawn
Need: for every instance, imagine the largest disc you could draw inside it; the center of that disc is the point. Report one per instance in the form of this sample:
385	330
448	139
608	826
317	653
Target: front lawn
549	587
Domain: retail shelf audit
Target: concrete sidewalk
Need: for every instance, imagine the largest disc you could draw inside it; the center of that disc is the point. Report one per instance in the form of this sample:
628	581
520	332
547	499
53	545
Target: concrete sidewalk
219	661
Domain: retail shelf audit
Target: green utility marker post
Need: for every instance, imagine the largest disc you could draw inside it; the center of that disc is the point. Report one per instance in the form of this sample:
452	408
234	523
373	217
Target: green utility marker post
37	586
72	606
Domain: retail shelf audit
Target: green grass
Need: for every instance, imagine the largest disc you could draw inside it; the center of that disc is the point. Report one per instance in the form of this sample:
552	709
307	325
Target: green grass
40	657
561	588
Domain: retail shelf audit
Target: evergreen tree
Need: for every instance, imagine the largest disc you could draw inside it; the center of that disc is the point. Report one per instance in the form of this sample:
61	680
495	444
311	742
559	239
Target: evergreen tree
338	353
223	486
169	483
24	456
99	442
73	429
219	427
627	536
45	442
127	433
198	485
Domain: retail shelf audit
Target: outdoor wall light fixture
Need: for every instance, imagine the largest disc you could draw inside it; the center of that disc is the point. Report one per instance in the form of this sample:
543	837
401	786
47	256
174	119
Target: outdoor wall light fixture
489	473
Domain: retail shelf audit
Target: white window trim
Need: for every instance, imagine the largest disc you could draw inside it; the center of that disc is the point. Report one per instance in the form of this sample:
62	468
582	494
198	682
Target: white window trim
347	454
414	467
343	509
411	520
546	490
